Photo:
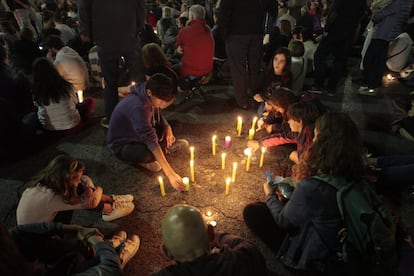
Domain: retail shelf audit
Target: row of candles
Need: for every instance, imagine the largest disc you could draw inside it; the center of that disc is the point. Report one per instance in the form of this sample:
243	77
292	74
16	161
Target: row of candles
227	144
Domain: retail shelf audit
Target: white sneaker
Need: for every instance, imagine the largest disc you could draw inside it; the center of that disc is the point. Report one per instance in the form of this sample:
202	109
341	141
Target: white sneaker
122	198
129	250
118	239
119	210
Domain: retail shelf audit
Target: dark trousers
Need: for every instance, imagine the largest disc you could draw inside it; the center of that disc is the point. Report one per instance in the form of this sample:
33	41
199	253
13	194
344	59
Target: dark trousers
375	62
338	49
260	221
244	53
110	72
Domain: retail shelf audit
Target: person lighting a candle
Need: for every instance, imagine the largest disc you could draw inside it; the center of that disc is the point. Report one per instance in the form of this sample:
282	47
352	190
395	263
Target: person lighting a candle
191	248
138	133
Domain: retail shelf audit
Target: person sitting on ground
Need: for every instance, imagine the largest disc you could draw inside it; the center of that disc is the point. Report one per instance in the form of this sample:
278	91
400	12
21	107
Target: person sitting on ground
138	133
336	152
298	66
280	101
58	107
197	54
66	32
32	244
197	250
167	30
302	117
68	63
61	186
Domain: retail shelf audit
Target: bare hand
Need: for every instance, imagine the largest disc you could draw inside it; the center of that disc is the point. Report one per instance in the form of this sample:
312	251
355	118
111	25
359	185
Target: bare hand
267	189
258	98
254	145
168	135
176	181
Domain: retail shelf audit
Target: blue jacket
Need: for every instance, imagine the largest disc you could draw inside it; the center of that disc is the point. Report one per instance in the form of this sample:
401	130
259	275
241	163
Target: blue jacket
310	215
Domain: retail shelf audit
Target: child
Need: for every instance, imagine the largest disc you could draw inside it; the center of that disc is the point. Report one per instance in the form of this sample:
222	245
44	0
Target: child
278	74
281	99
61	186
58	108
302	117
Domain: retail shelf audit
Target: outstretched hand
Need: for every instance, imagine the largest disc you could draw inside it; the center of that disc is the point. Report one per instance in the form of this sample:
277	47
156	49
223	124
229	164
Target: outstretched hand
176	181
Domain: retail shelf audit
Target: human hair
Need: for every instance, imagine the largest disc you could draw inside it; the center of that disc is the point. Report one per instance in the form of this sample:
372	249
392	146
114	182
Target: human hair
57	174
166	11
27	34
283	97
286	74
296	48
197	11
285	27
154	56
336	151
48	85
183	20
161	87
55	42
306	112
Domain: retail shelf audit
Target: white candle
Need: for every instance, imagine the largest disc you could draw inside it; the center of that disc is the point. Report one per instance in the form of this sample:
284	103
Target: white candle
223	160
80	96
186	182
227	141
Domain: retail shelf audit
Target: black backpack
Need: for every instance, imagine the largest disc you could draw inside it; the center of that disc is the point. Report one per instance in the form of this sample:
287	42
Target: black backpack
368	233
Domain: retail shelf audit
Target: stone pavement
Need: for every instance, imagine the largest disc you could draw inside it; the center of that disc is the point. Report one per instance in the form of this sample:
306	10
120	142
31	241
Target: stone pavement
196	121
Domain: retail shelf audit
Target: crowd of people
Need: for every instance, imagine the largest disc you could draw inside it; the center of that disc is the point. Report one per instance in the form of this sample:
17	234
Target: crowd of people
144	53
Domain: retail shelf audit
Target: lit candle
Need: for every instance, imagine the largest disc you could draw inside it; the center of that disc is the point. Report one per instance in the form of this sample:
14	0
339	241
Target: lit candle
80	96
133	83
213	223
227	141
262	157
254	123
209	213
233	173
239	125
161	181
186	182
213	144
228	180
248	152
223	160
251	134
192	170
191	153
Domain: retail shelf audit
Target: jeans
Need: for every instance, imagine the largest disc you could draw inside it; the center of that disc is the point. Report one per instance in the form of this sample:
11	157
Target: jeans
110	72
244	53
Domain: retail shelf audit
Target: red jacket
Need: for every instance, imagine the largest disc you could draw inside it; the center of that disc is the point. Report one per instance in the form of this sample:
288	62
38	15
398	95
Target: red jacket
197	43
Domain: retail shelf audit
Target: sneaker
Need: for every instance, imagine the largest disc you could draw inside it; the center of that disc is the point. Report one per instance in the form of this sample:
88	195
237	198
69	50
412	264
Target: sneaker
151	166
119	210
179	144
122	198
401	105
404	133
363	90
105	122
130	248
118	239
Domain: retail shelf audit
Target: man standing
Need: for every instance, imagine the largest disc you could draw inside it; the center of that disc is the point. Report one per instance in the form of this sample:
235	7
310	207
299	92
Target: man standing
114	27
242	25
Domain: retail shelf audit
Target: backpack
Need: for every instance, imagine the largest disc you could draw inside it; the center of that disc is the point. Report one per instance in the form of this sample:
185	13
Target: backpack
368	234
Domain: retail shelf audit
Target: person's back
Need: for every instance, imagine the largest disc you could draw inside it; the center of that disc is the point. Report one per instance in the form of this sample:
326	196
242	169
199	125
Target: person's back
197	250
197	44
298	65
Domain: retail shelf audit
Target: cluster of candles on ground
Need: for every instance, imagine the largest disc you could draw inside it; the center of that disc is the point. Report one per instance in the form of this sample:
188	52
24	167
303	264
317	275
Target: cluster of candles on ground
227	145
